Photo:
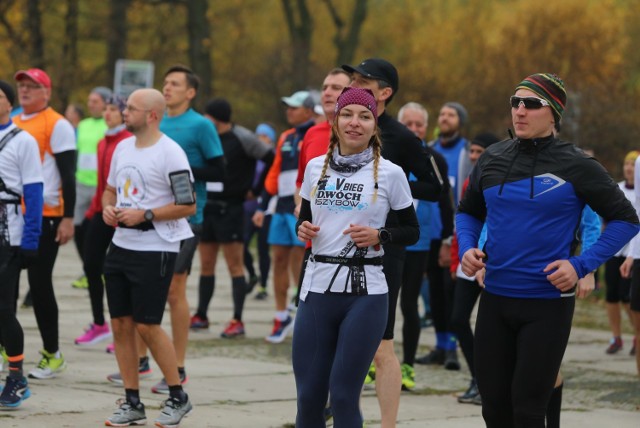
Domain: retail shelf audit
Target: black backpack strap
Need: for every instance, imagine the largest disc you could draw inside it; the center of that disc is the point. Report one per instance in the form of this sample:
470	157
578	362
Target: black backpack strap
8	137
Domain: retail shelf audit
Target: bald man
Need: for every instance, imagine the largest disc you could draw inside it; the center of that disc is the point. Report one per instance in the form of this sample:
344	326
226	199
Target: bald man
148	196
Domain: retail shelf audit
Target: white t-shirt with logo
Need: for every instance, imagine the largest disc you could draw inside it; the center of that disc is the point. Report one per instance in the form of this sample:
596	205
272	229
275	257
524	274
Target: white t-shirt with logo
141	179
19	165
345	200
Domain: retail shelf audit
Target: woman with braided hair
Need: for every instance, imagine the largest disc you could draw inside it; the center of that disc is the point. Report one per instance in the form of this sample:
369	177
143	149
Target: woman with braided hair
346	197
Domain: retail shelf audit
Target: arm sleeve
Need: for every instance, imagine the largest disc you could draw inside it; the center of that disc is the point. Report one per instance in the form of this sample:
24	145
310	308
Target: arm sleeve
615	235
214	170
66	162
407	230
305	213
429	185
468	229
600	192
33	201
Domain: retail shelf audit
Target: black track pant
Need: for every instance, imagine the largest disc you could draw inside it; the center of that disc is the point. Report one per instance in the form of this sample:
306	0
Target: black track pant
465	297
97	241
40	276
412	275
519	346
440	290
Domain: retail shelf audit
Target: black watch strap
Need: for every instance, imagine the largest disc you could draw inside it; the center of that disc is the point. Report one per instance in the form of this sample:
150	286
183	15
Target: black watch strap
384	236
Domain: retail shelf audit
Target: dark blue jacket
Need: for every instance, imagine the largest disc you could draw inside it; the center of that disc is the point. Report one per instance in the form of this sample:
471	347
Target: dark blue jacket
531	194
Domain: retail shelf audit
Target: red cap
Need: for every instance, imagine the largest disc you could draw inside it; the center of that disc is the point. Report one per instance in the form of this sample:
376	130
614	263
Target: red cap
36	75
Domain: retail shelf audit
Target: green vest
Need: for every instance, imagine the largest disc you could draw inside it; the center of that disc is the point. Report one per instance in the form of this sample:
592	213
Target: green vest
90	132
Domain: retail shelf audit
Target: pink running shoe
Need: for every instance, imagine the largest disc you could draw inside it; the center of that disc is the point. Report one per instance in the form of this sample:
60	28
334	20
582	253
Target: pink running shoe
94	334
111	348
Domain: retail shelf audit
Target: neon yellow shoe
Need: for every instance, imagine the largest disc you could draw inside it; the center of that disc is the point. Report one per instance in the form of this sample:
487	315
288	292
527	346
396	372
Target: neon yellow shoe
408	377
49	366
81	282
371	377
4	358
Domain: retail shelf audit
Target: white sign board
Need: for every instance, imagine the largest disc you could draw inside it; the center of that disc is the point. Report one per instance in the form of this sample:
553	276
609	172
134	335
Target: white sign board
131	75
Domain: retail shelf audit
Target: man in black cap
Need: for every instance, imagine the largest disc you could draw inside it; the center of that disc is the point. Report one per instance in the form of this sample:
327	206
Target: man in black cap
403	148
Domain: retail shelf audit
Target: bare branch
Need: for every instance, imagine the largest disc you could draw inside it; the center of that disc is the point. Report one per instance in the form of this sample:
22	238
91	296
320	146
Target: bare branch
339	23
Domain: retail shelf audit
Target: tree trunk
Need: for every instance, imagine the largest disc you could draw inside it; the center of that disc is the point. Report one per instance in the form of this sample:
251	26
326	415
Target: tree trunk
34	27
68	67
300	26
348	45
200	47
346	39
116	36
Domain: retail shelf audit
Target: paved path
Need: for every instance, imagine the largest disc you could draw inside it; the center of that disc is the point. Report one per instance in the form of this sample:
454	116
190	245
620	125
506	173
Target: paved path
248	383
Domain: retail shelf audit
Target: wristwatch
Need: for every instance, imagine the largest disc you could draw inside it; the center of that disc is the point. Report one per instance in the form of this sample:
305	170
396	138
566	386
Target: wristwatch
384	236
148	215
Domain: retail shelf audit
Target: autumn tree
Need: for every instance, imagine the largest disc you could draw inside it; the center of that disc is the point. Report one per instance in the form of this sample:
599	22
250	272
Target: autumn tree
116	37
69	53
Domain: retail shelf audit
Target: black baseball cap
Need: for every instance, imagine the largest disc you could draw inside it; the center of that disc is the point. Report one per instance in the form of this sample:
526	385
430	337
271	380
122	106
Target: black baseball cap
376	68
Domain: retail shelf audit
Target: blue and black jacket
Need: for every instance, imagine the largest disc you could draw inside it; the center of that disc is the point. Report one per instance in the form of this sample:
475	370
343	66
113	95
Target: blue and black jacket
531	194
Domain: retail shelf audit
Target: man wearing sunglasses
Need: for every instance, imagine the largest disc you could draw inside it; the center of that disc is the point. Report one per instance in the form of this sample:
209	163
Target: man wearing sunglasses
531	190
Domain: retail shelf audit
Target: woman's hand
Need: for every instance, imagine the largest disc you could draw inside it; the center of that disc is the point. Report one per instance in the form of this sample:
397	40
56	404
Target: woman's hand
362	236
307	231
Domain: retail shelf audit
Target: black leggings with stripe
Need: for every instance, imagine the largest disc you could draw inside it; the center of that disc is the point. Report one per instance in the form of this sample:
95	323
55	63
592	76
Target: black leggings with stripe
519	345
334	340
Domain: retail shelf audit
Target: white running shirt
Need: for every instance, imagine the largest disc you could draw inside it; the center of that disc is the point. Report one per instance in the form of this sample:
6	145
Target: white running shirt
141	179
349	200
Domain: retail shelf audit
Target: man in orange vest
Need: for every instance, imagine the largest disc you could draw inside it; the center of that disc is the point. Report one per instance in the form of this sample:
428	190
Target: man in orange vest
57	143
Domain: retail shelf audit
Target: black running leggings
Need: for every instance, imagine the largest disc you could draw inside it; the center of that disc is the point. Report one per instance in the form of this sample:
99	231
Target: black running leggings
412	275
97	241
40	275
440	290
264	258
393	263
464	299
519	346
11	334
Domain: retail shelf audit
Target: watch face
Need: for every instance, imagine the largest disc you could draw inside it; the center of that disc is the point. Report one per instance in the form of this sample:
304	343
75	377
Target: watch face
148	215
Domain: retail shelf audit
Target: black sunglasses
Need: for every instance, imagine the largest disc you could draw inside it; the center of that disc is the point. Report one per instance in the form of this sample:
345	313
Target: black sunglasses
530	103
